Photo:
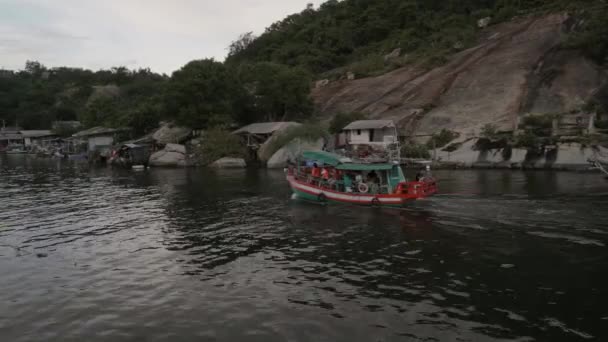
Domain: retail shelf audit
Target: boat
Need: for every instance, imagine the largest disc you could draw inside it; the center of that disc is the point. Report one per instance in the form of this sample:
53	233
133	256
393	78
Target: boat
15	149
389	189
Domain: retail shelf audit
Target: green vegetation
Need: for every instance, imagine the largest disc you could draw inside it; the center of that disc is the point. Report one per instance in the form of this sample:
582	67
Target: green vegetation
414	150
342	120
439	140
218	143
489	131
202	94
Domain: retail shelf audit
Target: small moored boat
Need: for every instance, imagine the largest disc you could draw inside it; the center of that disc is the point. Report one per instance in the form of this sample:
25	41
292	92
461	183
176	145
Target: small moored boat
377	184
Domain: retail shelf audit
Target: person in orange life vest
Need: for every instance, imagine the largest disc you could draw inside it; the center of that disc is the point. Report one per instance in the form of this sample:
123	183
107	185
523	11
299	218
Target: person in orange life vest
316	172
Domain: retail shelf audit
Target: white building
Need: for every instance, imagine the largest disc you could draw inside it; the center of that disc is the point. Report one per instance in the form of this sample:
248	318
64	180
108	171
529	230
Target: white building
98	139
36	137
375	133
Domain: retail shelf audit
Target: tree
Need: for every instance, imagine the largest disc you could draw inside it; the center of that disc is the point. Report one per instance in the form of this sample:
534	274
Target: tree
241	44
342	120
201	94
277	92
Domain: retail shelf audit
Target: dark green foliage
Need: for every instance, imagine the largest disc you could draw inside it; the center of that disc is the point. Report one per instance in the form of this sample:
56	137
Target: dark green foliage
489	131
414	150
592	35
218	143
342	120
275	92
539	125
528	140
441	139
37	96
202	94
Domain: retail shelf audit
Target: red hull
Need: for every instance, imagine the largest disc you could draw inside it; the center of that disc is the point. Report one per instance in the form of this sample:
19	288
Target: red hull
407	192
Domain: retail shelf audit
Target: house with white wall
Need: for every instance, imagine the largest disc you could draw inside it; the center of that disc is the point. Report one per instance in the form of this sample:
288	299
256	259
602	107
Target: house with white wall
375	133
98	139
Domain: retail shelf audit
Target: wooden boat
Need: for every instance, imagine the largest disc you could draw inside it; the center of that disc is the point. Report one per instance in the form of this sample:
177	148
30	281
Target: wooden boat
347	184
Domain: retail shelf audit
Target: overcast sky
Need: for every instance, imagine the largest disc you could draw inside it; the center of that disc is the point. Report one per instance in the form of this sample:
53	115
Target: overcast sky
160	34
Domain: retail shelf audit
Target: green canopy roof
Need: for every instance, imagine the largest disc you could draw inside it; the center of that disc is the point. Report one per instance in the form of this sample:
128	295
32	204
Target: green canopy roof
325	157
364	167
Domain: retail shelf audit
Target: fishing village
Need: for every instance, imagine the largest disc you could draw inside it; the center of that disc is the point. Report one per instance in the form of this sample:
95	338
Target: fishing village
291	170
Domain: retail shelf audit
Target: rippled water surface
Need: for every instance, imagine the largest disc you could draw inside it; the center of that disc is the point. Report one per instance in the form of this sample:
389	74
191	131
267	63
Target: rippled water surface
195	255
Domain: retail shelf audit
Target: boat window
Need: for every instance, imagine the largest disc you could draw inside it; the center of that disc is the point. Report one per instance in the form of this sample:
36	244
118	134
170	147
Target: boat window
358	132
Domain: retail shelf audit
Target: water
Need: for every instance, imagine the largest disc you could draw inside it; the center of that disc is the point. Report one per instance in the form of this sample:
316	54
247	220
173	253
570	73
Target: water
188	255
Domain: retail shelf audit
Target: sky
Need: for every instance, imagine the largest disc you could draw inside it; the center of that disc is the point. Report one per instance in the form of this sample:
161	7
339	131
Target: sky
160	34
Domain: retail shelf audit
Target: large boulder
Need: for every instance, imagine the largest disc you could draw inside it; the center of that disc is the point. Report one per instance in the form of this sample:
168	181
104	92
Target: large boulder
175	148
167	159
291	151
265	150
229	163
171	134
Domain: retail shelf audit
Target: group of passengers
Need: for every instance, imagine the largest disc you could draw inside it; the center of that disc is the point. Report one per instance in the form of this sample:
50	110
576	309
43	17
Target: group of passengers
344	181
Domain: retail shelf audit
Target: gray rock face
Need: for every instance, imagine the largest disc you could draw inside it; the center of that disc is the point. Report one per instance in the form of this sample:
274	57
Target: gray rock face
321	83
175	148
484	22
394	54
501	78
168	133
291	151
229	163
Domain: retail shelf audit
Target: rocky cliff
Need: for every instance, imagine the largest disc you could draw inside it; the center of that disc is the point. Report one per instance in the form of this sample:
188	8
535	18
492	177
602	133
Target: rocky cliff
515	68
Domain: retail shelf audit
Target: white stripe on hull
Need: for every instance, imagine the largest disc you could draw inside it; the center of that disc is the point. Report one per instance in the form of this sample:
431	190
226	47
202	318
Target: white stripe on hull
344	197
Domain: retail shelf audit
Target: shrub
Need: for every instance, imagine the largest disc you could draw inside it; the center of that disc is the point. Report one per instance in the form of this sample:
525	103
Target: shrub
527	140
368	66
342	120
539	121
489	131
218	143
444	137
414	150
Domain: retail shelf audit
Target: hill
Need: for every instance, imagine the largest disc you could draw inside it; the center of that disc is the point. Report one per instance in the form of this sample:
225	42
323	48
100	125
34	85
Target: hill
516	67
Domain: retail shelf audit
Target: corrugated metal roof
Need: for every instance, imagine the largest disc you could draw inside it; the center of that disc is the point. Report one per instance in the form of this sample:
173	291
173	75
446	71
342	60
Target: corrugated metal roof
325	157
97	131
369	124
37	133
265	127
10	136
364	167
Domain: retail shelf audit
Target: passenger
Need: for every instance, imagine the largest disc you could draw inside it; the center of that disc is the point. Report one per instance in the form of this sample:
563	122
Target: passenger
316	172
372	178
420	175
348	183
325	174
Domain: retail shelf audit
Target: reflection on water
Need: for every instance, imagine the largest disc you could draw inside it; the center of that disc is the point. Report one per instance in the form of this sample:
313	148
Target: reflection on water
227	256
